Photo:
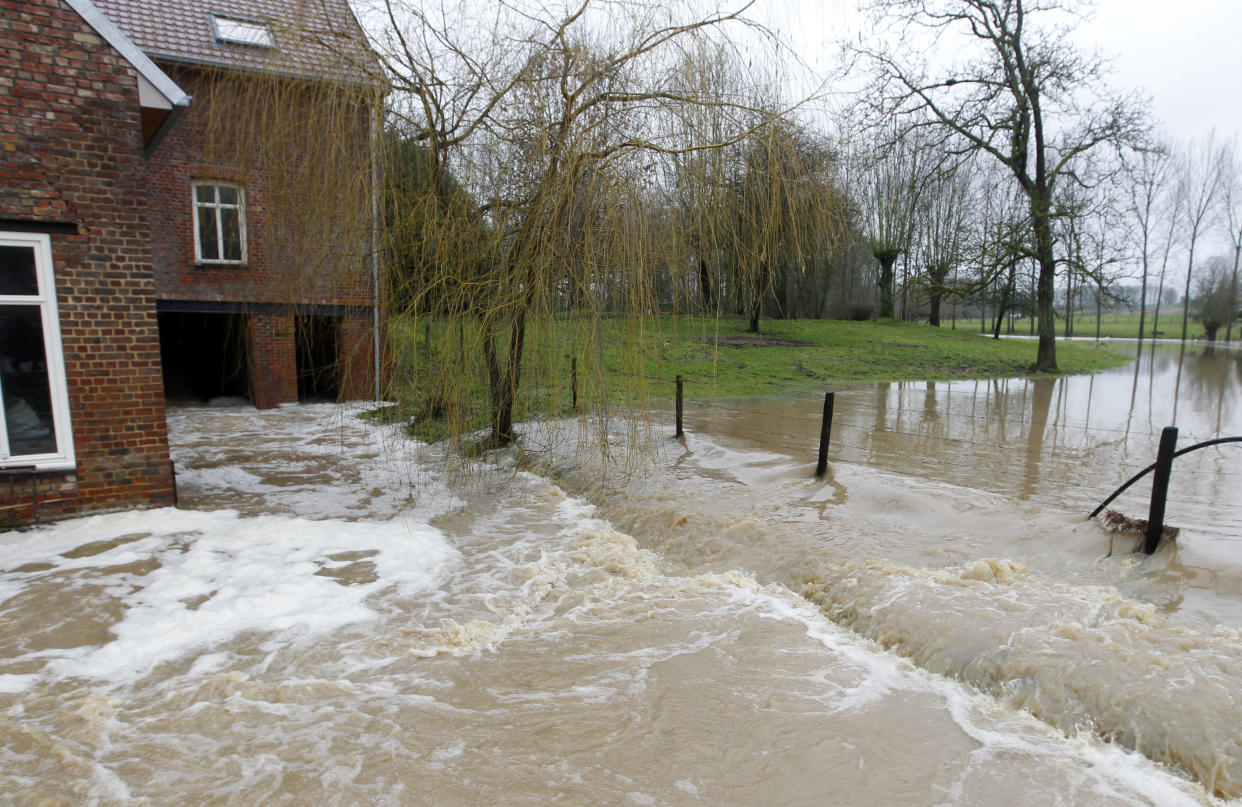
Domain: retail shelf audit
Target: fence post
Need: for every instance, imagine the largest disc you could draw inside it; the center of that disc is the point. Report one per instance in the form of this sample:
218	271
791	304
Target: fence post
680	432
573	380
825	430
1160	489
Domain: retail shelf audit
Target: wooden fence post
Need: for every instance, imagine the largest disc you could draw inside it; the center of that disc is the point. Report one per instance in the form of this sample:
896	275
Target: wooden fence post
680	432
825	431
1160	489
573	381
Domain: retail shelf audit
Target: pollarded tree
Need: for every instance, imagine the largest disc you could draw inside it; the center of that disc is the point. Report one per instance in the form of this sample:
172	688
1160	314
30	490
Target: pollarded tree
944	233
885	183
1213	295
1021	93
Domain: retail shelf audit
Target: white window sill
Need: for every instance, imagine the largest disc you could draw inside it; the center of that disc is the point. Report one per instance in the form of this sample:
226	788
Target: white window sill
37	465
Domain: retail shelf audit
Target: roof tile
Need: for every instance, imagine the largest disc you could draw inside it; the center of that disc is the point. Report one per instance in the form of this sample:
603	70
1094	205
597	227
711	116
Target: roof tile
315	38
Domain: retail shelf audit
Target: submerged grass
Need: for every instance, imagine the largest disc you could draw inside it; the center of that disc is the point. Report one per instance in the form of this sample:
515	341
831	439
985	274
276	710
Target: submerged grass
441	386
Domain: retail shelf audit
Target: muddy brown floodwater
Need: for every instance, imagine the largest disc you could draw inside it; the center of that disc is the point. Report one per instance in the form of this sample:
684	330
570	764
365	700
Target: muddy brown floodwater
337	615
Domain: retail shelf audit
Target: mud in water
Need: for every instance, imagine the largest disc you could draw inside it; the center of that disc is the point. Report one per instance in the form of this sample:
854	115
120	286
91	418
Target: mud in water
337	616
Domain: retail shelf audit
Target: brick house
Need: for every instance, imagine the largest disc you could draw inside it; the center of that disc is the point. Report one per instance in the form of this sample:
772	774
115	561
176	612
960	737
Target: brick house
251	301
136	259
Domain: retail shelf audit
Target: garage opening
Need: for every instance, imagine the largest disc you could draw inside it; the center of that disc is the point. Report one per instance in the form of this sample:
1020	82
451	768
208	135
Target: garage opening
318	350
204	356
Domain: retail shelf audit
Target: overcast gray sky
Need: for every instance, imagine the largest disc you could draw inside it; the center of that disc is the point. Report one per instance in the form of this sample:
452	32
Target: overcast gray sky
1186	55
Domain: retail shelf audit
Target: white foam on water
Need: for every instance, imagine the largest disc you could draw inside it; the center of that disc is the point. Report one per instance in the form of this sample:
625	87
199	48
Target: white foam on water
13	684
220	575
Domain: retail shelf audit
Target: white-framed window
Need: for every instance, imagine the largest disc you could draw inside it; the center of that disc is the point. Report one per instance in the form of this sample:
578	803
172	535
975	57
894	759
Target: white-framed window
243	32
219	223
34	399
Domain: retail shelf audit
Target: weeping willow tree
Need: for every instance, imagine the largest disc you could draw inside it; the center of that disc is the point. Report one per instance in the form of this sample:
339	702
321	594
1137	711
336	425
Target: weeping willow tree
563	131
788	211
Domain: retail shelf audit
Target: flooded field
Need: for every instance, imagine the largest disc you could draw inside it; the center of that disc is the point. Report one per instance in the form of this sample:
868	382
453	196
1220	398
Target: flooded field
338	616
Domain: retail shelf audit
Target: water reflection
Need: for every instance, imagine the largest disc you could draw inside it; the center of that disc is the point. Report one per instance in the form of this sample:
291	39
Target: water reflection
1066	441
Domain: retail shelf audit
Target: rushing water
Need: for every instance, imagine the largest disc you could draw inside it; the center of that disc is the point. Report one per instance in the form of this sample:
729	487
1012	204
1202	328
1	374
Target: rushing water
337	616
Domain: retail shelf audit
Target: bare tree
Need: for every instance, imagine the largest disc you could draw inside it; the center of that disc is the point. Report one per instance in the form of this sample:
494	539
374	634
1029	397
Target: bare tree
1001	241
1148	173
1172	222
1024	95
1198	172
1231	202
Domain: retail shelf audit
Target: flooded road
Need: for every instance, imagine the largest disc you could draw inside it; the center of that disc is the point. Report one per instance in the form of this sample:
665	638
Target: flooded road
338	616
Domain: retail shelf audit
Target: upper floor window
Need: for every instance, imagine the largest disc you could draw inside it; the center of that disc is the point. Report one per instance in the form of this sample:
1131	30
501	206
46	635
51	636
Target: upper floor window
34	400
219	223
243	32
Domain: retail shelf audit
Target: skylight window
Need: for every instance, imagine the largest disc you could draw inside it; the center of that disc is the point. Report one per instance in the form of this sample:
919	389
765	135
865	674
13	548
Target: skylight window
243	32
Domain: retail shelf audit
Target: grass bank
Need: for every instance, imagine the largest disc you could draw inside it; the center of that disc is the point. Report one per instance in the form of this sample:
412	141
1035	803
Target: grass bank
441	383
1116	325
808	355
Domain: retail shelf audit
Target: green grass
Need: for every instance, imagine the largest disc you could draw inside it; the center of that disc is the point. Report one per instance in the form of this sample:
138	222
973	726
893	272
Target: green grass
1121	325
628	361
805	355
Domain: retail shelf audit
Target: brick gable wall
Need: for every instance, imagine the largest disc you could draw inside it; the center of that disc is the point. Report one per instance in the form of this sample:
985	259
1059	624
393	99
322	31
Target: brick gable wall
71	152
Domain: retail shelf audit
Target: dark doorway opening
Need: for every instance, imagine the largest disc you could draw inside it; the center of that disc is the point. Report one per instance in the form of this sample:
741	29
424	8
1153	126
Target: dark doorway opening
318	350
204	356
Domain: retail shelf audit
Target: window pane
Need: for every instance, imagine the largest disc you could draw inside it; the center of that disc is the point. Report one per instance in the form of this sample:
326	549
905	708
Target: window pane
230	224
205	193
209	249
28	417
17	270
244	32
228	195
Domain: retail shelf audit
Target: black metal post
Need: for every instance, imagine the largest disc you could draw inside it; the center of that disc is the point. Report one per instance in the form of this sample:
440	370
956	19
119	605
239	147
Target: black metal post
680	432
1160	489
825	431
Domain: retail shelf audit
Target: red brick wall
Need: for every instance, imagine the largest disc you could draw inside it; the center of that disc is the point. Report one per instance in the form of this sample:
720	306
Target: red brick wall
357	366
71	151
313	268
272	360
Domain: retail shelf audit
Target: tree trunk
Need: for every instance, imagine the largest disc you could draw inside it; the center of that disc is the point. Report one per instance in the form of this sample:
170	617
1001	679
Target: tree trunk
756	299
705	285
1069	301
1099	310
933	306
503	380
1006	303
1233	292
1190	265
1046	356
886	258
